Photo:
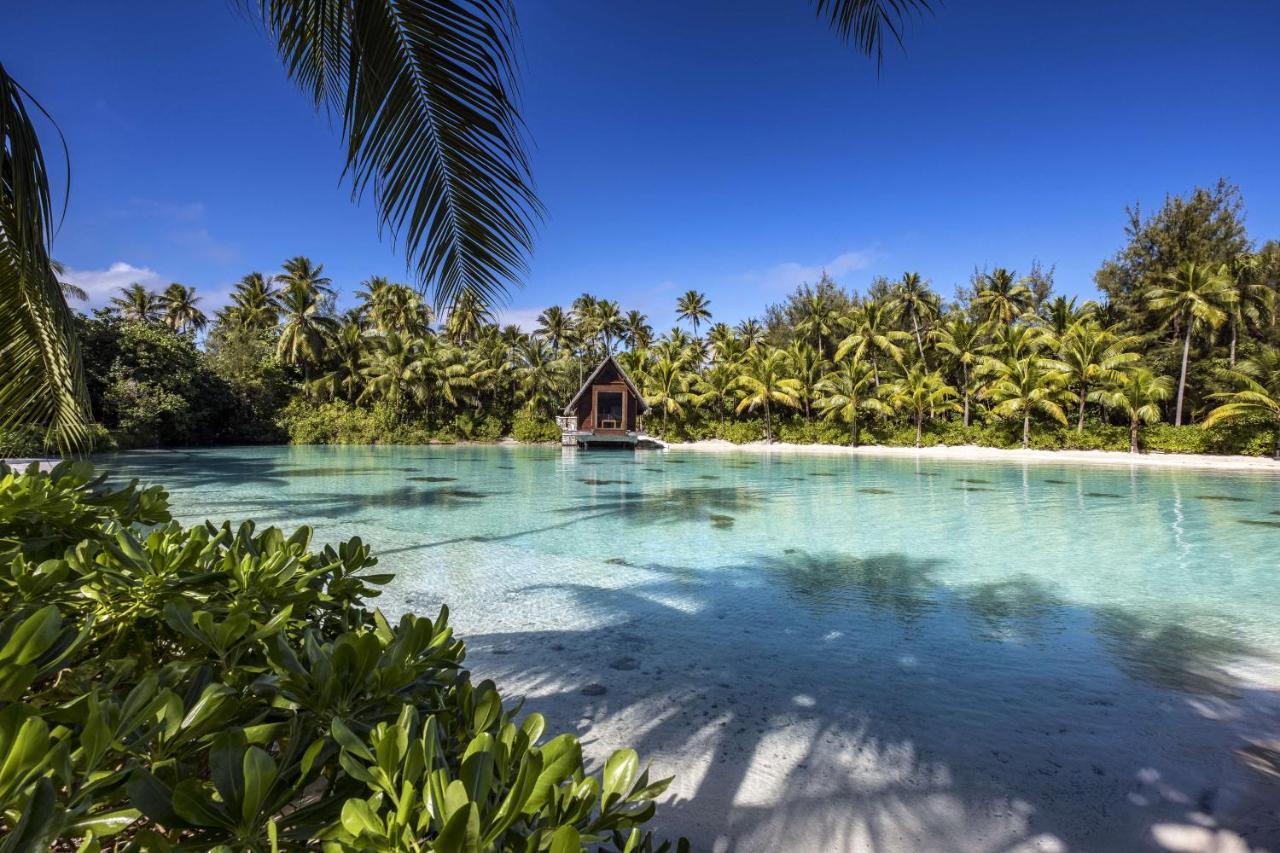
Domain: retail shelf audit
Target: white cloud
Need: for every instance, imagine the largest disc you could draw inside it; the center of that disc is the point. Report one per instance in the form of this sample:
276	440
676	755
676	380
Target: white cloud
102	284
787	276
525	318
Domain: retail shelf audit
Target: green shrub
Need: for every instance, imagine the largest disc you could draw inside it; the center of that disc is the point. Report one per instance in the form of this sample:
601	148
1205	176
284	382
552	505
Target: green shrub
530	427
227	688
817	432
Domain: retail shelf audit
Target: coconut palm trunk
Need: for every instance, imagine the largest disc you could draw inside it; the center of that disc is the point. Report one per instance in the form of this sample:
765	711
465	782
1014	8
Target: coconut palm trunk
853	428
768	422
1133	434
1182	378
915	326
964	373
1084	390
919	427
1026	429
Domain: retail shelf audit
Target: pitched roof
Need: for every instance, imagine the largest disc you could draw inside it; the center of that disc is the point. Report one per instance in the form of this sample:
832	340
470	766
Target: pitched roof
608	359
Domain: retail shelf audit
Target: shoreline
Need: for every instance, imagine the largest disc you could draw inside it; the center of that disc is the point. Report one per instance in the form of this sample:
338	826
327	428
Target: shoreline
977	453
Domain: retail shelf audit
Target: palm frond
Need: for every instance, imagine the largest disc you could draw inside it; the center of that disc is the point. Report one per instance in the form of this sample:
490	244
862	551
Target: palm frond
425	93
41	376
868	24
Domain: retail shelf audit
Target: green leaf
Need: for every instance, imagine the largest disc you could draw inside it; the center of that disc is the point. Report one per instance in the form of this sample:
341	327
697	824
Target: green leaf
359	818
619	772
566	840
259	775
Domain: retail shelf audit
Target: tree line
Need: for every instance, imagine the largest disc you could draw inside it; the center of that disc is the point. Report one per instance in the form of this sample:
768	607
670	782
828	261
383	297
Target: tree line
1183	331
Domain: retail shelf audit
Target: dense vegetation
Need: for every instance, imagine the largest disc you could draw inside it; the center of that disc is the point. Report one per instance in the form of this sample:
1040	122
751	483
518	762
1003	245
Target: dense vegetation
1180	352
228	688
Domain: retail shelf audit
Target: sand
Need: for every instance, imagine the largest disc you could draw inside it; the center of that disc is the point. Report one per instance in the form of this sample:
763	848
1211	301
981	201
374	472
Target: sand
974	453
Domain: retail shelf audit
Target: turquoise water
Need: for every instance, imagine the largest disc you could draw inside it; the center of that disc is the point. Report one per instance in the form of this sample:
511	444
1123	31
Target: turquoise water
932	652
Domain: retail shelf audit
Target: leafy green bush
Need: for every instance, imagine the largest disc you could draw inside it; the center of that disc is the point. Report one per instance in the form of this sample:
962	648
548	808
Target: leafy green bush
531	427
817	432
24	442
227	688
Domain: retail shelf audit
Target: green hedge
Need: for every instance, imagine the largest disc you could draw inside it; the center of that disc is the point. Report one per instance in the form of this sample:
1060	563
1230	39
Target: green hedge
338	422
228	688
1250	438
534	428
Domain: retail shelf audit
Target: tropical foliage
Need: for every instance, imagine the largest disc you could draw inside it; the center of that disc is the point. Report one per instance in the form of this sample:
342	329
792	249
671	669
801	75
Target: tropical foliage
1005	361
230	688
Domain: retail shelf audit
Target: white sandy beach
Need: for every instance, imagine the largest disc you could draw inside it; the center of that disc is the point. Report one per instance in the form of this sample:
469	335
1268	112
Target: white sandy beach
974	453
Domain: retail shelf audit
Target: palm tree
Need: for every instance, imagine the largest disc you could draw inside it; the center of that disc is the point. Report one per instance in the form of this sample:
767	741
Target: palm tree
424	97
667	387
808	368
137	304
1024	386
718	385
1061	313
395	308
965	341
346	350
608	323
1193	296
1089	355
872	335
912	296
390	366
538	369
1255	300
255	304
441	372
1257	393
751	332
305	331
847	390
180	310
301	272
467	316
817	317
765	379
694	307
556	327
919	392
1002	297
1138	394
636	328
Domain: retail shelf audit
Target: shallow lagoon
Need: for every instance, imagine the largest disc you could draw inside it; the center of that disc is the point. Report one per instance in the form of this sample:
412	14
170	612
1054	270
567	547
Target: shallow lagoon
839	652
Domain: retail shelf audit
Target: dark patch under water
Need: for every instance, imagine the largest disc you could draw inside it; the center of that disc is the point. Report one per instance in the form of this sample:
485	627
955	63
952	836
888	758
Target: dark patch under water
1230	498
432	479
708	477
972	480
1059	482
971	489
926	473
873	491
616	561
1259	522
592	482
721	521
1102	495
822	474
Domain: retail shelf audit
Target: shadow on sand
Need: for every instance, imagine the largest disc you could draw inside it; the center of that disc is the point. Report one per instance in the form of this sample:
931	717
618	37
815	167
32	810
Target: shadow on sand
828	702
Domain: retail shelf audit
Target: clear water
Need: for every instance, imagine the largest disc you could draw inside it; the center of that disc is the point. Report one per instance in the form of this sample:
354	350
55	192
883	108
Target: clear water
838	652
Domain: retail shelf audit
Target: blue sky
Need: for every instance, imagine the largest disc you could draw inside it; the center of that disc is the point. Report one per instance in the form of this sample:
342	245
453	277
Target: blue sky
732	146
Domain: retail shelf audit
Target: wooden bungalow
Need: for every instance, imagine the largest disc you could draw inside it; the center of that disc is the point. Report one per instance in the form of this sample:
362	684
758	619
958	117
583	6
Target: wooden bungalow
606	411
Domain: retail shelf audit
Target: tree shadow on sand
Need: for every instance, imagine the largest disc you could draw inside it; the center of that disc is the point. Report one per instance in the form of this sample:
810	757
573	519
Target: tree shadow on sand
821	701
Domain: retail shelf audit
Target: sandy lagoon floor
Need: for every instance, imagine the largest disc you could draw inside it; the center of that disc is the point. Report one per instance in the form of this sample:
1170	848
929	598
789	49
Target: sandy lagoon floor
841	652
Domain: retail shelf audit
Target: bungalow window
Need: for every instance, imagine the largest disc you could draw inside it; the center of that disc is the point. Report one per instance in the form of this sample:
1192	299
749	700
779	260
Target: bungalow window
609	408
